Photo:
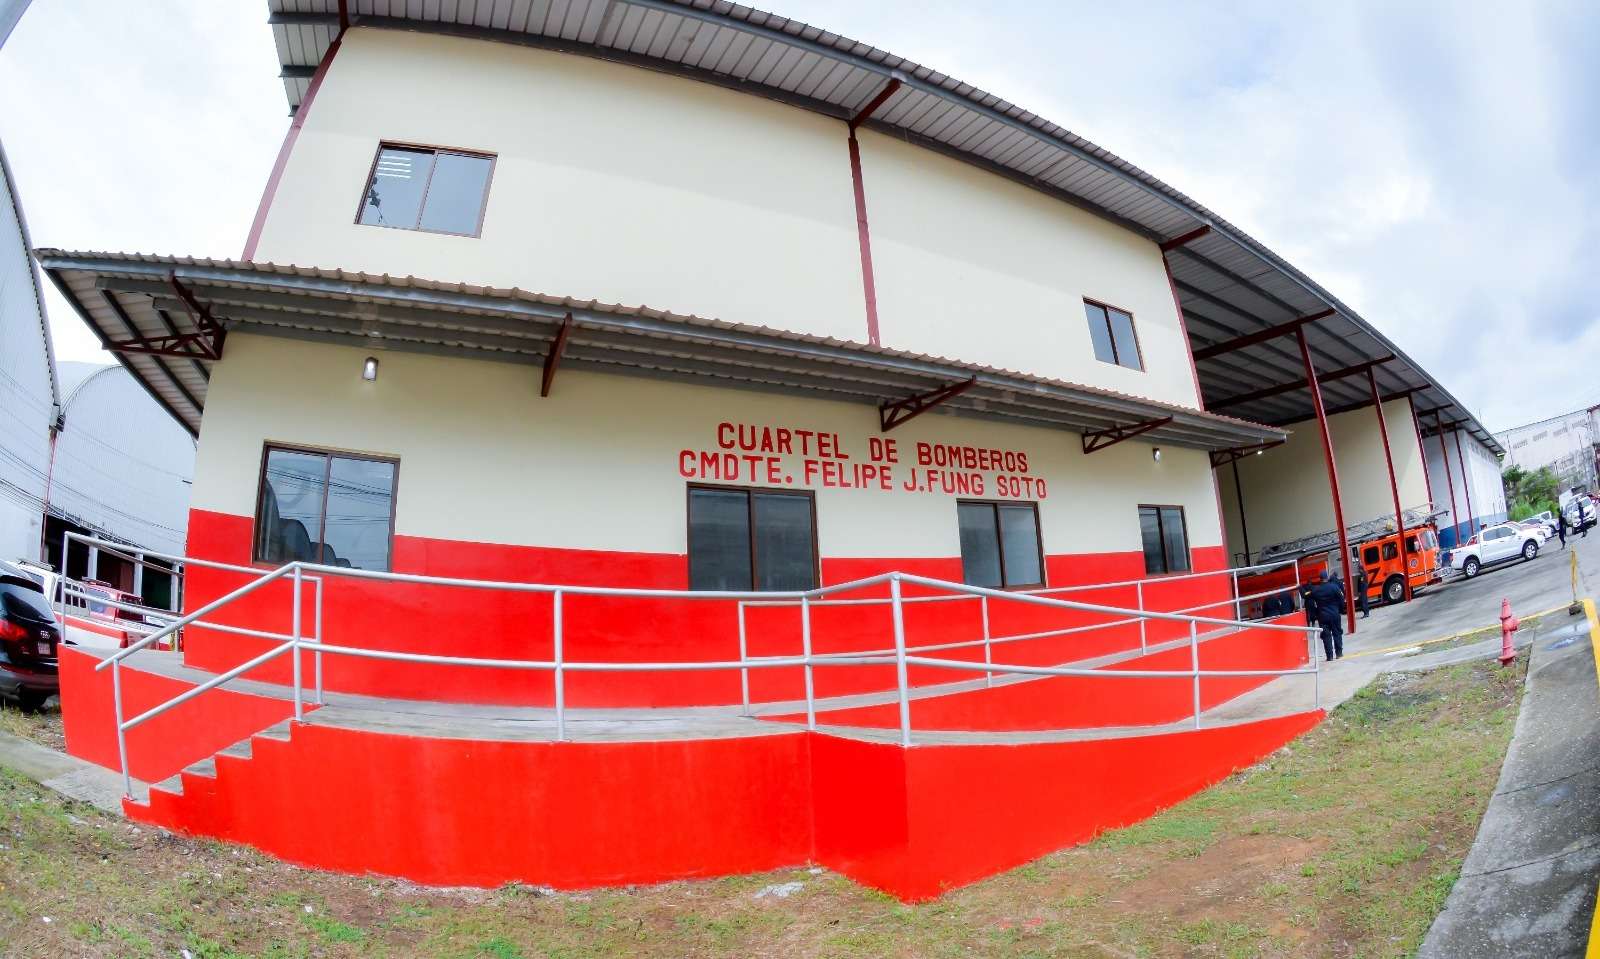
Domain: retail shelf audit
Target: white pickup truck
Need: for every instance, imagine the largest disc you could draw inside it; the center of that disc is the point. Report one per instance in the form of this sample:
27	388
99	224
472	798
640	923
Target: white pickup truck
1500	543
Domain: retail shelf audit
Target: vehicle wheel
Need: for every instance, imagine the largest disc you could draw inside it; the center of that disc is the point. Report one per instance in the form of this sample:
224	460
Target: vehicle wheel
1394	590
1469	569
31	701
1530	549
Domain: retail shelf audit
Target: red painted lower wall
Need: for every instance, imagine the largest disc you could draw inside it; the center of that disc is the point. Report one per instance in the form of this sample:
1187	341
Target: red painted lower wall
164	745
606	629
452	812
913	823
973	811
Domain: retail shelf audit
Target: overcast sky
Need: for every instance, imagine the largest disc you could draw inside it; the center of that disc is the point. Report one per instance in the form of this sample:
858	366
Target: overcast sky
1437	166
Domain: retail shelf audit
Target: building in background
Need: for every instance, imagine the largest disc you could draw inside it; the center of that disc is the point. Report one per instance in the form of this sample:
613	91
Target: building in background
30	398
1569	444
123	470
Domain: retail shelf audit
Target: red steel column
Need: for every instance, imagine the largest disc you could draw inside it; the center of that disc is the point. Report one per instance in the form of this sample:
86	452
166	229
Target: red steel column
869	285
1183	327
1444	453
1422	451
1333	478
1394	485
1466	479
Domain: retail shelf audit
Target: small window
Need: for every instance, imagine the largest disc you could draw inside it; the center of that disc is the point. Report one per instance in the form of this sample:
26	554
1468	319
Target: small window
741	539
329	508
1111	331
1166	539
1390	551
1000	545
1370	555
421	188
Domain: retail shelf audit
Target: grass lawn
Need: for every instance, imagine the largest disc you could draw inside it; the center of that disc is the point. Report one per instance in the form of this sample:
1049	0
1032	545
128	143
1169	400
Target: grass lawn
1343	844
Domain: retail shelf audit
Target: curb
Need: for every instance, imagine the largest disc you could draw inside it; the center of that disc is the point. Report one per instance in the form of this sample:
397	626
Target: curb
1593	952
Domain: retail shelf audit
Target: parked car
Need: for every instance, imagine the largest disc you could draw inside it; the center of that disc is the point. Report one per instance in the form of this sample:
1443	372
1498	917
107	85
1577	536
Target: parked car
1581	506
1500	543
104	610
1534	526
29	640
1547	518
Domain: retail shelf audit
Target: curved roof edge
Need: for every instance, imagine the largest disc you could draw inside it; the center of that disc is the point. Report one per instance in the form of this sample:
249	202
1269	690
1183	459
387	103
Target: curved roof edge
33	275
1230	284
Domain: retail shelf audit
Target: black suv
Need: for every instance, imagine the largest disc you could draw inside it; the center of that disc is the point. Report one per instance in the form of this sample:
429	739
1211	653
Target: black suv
28	640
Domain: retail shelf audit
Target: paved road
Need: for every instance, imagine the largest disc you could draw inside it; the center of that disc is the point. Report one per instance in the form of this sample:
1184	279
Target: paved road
1527	888
1463	604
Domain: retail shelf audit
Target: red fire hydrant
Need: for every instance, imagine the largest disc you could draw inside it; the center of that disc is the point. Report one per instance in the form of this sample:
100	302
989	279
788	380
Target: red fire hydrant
1508	625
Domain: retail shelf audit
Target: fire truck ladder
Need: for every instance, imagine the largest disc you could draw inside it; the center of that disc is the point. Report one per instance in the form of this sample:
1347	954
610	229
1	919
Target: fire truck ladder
1357	532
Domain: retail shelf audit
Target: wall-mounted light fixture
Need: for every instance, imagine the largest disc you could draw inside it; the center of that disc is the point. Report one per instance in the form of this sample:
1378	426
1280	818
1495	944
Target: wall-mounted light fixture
1155	453
369	369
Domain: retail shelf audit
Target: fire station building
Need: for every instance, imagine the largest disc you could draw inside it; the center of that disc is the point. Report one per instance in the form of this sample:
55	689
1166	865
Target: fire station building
688	296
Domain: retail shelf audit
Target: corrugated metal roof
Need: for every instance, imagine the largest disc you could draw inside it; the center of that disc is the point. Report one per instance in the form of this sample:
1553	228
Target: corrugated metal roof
120	295
1228	282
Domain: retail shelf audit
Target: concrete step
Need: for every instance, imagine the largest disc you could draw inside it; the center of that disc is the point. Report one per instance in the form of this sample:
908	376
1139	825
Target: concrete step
278	731
243	749
172	785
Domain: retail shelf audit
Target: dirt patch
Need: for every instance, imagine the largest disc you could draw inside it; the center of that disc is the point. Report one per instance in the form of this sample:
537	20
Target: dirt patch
1224	882
43	727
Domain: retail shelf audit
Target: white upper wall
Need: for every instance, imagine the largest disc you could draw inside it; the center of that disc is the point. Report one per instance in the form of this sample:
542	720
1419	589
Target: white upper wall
624	185
26	398
975	266
596	465
1286	488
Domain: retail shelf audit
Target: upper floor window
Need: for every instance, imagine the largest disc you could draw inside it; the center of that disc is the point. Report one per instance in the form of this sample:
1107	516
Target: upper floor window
1111	330
423	188
1000	544
744	539
1166	539
336	509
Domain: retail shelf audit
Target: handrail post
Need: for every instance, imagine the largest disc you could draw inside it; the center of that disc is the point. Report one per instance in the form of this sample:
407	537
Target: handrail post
900	659
294	642
317	621
988	655
558	628
1316	667
1194	662
1139	596
1238	607
122	735
744	669
805	649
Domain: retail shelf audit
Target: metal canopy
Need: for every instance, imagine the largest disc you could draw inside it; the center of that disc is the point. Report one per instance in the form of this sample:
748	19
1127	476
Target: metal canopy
132	297
1229	284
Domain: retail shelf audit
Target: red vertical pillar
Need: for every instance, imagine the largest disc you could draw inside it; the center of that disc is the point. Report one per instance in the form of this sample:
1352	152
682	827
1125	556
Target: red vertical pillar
1444	453
1466	480
1411	401
1333	478
1394	484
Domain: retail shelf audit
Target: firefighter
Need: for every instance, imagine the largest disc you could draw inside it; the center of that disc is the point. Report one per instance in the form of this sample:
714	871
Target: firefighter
1327	600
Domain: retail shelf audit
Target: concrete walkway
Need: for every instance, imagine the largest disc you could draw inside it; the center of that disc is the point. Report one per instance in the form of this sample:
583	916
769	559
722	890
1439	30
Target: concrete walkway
1527	888
67	775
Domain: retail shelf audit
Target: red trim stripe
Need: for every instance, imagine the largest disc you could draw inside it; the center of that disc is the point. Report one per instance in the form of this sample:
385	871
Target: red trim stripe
289	139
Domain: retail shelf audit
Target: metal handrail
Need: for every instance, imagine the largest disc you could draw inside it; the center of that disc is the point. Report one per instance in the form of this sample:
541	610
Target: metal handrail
1090	627
298	642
